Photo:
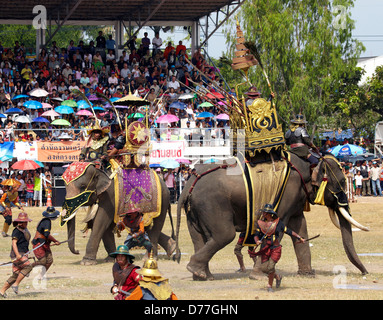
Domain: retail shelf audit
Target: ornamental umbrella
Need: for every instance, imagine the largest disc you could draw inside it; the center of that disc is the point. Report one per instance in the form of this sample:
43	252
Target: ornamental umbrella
69	103
223	116
11	182
63	109
31	104
50	113
40	119
25	165
169	164
23	119
61	122
13	111
39	93
136	115
166	118
131	100
178	105
347	150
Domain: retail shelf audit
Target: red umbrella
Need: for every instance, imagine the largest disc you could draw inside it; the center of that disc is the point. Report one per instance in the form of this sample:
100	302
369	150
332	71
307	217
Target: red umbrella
25	165
215	95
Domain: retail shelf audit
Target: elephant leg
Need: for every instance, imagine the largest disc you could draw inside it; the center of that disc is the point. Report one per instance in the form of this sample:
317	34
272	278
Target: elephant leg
109	242
167	243
302	250
221	237
101	223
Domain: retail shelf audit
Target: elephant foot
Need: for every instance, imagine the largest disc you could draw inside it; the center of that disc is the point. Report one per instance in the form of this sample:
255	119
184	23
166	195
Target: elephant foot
88	262
307	273
171	247
109	259
197	274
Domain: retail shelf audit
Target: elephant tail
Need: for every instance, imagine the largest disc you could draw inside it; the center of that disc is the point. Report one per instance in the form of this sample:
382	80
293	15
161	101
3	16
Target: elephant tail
182	201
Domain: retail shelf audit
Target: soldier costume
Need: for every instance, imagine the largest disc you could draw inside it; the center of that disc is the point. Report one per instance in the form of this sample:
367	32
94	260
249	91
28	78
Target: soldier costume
21	266
133	220
8	200
125	276
96	146
299	140
43	235
267	235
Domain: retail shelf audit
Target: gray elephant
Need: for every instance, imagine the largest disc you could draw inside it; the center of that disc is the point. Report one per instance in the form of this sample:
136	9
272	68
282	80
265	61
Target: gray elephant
95	189
215	206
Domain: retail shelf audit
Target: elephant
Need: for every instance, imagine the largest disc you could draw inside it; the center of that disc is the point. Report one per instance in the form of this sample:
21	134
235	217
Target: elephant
215	206
102	222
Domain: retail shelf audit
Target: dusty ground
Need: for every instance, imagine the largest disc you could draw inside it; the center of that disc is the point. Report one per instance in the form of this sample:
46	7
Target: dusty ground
336	278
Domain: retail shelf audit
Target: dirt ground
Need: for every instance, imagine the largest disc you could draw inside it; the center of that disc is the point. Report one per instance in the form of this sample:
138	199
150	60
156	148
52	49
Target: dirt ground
336	278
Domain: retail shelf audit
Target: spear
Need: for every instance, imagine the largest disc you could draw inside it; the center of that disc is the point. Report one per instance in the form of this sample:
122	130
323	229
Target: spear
83	96
103	96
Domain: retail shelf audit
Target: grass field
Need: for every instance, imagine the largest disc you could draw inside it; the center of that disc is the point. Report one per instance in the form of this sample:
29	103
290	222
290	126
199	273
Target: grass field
336	278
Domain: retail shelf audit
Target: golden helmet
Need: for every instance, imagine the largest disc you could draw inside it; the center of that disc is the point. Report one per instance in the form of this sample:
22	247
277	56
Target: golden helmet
150	270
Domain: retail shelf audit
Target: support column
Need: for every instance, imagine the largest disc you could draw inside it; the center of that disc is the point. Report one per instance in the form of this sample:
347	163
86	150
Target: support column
119	37
195	37
40	40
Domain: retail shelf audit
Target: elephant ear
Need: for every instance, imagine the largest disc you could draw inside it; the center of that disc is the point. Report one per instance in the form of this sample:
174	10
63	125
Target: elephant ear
103	182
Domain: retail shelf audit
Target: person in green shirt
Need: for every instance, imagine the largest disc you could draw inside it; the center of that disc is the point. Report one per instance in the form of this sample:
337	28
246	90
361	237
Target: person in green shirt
37	188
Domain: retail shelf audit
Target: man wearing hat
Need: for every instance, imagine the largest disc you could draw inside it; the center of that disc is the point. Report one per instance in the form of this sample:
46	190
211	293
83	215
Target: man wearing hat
43	235
125	276
267	235
299	140
133	220
152	285
252	94
21	266
96	146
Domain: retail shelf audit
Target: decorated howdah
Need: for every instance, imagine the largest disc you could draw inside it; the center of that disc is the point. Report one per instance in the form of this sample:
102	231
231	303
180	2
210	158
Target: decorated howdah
254	121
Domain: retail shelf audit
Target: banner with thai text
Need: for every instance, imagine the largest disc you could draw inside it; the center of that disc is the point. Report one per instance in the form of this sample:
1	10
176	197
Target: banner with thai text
59	151
167	150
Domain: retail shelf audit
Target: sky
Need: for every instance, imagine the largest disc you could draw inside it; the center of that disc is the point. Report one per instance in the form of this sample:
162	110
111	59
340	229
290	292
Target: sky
367	15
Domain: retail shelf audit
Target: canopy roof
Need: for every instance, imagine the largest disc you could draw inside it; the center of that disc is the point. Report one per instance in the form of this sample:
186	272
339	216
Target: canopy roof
109	10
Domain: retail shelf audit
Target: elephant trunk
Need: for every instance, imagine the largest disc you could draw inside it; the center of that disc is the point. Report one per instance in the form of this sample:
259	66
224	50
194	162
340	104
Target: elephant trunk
71	227
348	243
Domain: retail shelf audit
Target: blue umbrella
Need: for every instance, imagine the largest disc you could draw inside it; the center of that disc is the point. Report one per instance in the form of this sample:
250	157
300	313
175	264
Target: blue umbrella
40	119
169	164
39	163
82	104
178	105
346	150
2	115
31	104
211	160
98	108
13	111
205	115
154	165
114	99
20	96
64	109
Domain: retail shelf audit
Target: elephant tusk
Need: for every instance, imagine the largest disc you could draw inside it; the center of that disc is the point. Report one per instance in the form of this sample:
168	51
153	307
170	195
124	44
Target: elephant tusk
355	223
333	218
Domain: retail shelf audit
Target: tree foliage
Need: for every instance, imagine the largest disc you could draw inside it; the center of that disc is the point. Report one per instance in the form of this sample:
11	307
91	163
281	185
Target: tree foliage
303	51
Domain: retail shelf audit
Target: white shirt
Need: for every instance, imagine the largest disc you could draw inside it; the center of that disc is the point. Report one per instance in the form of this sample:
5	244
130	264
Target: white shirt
157	42
174	85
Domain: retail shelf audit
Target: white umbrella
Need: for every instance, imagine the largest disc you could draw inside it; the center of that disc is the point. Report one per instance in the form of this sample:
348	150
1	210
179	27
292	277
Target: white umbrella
186	96
38	93
23	119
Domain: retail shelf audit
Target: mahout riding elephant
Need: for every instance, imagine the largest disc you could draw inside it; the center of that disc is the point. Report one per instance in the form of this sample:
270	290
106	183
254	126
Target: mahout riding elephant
216	208
95	189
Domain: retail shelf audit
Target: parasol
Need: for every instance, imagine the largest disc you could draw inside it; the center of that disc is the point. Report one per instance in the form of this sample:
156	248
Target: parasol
31	104
84	112
61	122
131	100
347	150
166	118
69	103
178	105
25	165
223	116
38	93
169	164
64	109
205	115
187	96
13	111
40	119
50	113
11	182
23	119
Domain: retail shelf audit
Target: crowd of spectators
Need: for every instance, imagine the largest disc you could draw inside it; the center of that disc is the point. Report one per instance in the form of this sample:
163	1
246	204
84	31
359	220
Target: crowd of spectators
154	70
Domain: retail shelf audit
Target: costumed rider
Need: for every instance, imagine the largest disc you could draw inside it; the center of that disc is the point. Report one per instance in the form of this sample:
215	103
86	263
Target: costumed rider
96	147
117	142
43	235
299	140
133	220
9	199
267	235
125	276
152	286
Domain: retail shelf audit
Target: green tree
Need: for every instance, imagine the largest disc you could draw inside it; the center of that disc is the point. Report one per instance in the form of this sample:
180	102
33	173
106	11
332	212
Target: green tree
303	50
